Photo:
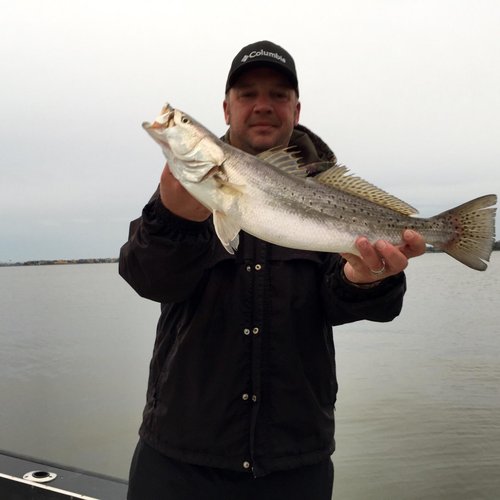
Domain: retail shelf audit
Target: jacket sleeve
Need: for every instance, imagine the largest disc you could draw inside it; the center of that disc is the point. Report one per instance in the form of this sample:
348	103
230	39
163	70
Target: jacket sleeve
346	303
165	256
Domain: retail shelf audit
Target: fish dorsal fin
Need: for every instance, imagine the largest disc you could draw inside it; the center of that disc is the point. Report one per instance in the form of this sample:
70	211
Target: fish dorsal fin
285	159
339	178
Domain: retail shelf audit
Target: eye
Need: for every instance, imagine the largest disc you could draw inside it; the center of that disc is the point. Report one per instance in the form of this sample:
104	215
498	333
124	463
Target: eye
246	93
184	119
280	95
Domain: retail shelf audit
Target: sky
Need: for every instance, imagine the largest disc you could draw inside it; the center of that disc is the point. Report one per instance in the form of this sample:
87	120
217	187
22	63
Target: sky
406	92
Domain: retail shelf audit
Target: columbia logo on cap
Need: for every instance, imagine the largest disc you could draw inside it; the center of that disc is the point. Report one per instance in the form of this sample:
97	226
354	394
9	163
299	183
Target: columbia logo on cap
265	53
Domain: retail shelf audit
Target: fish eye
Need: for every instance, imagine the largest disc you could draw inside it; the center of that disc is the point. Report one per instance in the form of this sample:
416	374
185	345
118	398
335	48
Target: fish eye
184	119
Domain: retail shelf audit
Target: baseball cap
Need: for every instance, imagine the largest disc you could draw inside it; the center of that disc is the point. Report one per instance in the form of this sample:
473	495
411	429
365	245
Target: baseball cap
263	53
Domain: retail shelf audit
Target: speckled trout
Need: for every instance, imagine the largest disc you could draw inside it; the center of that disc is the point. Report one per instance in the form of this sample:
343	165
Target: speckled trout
271	197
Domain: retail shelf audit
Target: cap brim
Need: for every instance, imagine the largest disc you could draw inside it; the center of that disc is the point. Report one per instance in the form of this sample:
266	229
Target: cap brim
233	77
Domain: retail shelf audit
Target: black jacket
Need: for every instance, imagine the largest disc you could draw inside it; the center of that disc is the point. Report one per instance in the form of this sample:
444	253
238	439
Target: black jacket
243	369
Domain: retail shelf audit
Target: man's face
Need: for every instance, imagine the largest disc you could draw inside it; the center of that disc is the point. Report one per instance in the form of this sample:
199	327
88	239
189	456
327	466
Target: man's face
261	109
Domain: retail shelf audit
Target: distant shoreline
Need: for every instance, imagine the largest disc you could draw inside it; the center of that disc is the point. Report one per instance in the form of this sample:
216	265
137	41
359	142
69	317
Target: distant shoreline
112	260
60	262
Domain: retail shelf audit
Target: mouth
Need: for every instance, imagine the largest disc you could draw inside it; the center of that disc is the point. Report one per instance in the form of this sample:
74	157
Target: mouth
263	128
263	124
164	120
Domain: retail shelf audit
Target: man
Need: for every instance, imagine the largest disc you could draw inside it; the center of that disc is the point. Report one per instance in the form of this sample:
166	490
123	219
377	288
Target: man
242	386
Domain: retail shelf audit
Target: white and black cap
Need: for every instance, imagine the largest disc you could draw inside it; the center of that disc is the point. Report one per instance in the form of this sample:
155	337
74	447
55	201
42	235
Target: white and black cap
263	53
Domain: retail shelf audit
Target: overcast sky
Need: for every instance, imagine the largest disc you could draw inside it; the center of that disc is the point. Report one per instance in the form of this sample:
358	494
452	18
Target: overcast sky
406	92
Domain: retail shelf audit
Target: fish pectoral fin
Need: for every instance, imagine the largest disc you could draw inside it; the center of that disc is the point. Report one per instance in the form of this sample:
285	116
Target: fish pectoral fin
338	177
228	187
227	231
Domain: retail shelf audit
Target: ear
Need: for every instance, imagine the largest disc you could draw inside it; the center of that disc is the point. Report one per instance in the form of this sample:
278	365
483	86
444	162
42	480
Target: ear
225	105
297	113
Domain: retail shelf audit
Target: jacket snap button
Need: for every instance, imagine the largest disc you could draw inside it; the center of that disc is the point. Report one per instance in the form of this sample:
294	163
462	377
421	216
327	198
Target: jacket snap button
246	331
258	267
255	331
254	398
246	465
244	397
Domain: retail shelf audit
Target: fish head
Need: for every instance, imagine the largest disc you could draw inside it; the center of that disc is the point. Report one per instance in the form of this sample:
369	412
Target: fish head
191	150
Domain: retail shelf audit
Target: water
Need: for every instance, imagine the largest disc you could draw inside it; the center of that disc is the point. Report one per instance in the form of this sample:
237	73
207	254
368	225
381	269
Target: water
418	415
75	347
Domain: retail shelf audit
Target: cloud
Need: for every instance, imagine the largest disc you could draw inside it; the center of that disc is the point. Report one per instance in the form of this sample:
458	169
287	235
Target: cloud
406	93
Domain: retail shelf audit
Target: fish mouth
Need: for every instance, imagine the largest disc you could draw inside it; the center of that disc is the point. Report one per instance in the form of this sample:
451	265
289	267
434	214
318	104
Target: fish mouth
164	120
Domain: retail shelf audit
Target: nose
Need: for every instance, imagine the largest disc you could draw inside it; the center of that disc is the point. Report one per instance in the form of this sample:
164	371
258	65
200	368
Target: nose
263	104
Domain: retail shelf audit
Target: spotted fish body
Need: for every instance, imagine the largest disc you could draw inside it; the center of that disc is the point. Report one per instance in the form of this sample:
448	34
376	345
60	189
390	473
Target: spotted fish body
270	197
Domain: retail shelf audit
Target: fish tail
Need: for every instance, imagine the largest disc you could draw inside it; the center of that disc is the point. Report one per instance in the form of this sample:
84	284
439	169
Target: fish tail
474	231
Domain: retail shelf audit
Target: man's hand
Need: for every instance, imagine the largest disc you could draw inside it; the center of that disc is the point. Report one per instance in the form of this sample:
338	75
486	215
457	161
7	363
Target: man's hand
174	196
381	260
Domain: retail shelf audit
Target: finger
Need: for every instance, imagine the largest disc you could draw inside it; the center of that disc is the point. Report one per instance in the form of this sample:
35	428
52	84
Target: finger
356	270
166	171
355	261
395	260
370	256
413	244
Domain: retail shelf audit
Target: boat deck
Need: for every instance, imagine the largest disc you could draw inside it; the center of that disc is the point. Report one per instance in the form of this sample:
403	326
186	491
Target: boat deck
49	481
